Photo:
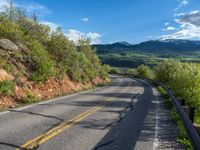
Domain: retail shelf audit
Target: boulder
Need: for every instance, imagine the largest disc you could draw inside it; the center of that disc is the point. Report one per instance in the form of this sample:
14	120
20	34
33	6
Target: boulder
8	45
22	46
5	76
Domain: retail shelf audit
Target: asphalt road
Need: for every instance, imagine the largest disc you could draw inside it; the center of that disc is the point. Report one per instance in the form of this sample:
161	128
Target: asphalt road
125	115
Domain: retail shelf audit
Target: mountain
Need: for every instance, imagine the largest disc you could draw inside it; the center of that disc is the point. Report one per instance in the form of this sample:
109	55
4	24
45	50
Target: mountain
126	55
152	46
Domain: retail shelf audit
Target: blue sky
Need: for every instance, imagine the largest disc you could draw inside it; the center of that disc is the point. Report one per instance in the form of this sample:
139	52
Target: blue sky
107	21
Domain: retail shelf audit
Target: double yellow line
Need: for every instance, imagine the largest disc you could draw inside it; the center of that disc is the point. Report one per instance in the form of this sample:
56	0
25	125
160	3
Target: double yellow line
63	126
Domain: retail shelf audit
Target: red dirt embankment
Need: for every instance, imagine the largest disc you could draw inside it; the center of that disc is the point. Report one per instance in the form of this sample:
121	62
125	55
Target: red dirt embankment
49	89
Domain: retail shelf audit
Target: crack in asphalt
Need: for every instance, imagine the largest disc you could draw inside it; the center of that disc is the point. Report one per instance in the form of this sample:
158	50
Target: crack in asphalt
121	117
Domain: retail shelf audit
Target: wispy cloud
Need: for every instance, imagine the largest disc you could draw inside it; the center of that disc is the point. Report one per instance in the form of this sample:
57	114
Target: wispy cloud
169	29
52	25
33	7
3	3
181	4
76	35
30	7
166	23
84	19
189	27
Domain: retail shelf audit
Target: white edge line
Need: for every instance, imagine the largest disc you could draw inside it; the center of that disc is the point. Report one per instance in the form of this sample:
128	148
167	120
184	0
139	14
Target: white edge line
156	142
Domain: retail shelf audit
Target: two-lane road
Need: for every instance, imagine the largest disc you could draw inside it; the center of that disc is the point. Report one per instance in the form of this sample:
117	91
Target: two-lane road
125	115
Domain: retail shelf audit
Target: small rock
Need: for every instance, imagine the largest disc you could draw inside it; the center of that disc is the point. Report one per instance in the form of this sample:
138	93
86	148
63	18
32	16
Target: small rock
8	45
5	76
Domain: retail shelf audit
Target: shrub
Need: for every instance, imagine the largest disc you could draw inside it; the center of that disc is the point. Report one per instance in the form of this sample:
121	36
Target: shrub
164	71
7	88
49	54
144	71
44	66
131	72
114	71
30	98
10	30
183	79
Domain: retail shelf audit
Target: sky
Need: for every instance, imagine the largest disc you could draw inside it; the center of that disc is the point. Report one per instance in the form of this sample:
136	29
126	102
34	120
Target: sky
109	21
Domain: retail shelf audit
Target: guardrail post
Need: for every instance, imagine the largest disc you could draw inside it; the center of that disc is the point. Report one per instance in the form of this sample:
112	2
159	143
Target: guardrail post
197	128
191	114
182	102
186	109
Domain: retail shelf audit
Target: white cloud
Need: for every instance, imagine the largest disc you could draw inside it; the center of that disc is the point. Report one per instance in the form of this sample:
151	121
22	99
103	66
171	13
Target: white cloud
4	3
192	17
33	7
84	19
76	35
30	7
184	2
179	14
94	37
52	25
169	29
181	4
166	23
189	27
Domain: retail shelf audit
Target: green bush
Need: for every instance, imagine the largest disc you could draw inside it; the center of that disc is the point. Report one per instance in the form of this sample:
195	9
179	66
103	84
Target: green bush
7	88
114	71
30	98
131	72
144	71
10	30
49	54
183	79
44	66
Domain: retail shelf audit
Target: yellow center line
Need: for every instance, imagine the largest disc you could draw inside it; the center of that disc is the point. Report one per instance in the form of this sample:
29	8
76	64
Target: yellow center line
49	131
61	127
65	127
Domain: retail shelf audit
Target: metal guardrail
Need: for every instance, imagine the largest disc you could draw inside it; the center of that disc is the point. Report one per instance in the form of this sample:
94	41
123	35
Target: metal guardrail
191	132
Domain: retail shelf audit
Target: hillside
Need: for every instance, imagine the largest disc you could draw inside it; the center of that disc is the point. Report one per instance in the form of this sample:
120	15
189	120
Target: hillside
37	63
152	46
123	54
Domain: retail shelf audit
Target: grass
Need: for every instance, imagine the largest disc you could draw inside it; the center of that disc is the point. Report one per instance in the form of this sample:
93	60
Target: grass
132	59
7	88
30	98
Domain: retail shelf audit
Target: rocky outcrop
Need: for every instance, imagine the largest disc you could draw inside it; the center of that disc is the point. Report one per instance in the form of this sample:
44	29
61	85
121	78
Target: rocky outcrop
6	44
5	76
22	46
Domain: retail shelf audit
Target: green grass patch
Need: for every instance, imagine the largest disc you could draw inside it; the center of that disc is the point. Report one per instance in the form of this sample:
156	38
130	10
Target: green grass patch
30	98
7	88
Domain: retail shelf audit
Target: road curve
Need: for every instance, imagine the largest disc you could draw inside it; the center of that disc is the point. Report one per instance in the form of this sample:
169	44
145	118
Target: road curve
125	115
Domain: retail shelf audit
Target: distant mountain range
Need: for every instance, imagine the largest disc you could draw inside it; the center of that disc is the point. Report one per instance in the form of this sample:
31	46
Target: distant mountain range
152	46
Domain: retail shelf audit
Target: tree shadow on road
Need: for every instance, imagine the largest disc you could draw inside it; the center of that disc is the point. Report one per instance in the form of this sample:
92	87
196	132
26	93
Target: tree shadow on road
124	134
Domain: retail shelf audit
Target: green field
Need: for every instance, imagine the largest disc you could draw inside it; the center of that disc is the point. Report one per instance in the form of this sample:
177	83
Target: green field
132	59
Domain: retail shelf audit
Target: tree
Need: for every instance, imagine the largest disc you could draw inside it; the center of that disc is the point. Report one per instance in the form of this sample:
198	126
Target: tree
11	11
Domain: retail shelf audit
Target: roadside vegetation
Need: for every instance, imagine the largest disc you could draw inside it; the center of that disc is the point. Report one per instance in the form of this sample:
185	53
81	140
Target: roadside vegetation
43	54
182	78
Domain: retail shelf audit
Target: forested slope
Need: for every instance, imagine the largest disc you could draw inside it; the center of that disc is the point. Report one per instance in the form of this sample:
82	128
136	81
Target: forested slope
38	63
